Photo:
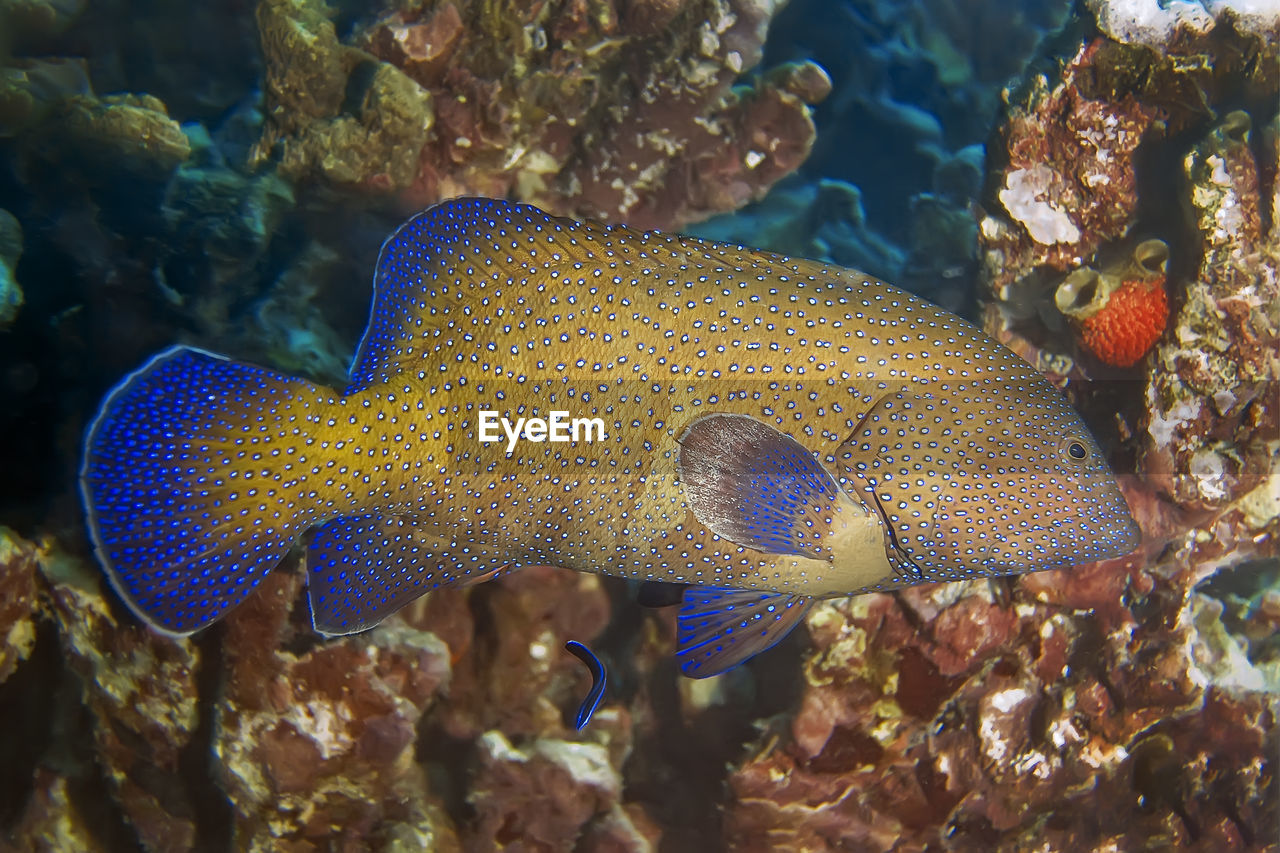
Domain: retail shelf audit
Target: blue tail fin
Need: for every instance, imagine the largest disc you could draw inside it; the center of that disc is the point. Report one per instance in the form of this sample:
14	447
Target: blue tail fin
189	483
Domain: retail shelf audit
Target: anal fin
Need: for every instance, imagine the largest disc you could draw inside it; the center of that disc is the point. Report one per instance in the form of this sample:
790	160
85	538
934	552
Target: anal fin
360	570
719	627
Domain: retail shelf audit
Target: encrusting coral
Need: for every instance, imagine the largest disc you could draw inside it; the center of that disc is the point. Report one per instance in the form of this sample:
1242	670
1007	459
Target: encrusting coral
17	601
624	117
1213	414
1071	182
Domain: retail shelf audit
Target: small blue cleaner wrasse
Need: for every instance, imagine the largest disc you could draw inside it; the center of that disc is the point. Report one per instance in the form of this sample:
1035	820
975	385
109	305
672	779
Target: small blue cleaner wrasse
533	390
599	681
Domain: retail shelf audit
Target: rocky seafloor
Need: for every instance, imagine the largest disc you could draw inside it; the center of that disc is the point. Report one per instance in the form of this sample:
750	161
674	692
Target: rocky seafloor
1097	184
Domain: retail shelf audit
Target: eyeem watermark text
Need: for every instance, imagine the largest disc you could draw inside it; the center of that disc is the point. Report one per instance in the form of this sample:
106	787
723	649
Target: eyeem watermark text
558	427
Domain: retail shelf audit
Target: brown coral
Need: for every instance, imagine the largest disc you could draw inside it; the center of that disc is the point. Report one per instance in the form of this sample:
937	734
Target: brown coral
1070	182
140	688
320	743
570	106
1036	735
1213	420
17	601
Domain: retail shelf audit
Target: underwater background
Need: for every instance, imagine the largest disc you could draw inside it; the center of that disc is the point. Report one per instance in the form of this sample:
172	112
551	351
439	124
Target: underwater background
1094	182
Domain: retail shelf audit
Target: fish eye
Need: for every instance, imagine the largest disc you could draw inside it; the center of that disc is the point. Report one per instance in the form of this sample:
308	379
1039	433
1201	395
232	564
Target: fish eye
1076	450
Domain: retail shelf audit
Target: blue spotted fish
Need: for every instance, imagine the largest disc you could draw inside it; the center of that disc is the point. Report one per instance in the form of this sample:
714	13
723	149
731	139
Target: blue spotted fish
770	431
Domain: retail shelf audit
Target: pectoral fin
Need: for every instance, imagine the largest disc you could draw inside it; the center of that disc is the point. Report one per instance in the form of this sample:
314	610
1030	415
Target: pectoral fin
719	628
757	487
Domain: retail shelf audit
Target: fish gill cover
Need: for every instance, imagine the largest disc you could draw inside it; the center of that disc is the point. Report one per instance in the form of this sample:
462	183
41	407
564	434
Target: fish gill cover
231	193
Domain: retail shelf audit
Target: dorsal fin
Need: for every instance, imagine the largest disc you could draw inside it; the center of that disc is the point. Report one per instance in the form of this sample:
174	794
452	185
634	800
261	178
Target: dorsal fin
452	256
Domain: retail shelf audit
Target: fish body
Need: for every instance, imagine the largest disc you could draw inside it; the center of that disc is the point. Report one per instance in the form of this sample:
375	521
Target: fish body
774	431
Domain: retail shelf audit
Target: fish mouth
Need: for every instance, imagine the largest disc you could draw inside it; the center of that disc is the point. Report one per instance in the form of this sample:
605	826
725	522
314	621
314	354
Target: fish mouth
1110	540
1131	538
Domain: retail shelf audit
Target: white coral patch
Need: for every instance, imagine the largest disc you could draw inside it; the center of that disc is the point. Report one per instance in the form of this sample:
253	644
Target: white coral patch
1154	22
1262	505
994	745
586	763
1217	657
1164	427
325	723
1150	22
1006	700
1024	197
1210	474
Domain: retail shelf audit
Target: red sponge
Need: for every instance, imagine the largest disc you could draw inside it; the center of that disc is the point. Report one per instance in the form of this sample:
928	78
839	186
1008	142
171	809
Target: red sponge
1129	324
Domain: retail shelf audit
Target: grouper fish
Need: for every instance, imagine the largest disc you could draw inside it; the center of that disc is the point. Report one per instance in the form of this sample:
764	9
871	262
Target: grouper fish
768	430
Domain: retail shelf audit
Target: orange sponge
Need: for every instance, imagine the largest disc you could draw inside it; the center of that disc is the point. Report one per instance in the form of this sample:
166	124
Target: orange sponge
1129	324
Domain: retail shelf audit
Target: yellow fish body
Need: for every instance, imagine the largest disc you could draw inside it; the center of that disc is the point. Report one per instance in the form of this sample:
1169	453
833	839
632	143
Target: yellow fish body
766	429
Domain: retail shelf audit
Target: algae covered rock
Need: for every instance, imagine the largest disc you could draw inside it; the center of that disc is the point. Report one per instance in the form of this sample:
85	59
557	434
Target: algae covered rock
335	112
18	605
1212	407
579	109
133	131
31	89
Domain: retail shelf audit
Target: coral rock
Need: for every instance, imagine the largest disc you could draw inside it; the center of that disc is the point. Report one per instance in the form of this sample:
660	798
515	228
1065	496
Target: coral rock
1213	416
525	682
17	600
140	688
971	725
572	107
372	143
31	88
543	797
131	131
1070	181
1157	25
320	743
51	822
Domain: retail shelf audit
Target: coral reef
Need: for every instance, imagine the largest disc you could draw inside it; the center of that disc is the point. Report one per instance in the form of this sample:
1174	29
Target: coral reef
17	601
1128	705
1157	25
1087	177
1126	700
917	85
319	744
554	795
51	821
140	689
1069	717
1213	417
132	132
623	117
1070	184
305	740
307	84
